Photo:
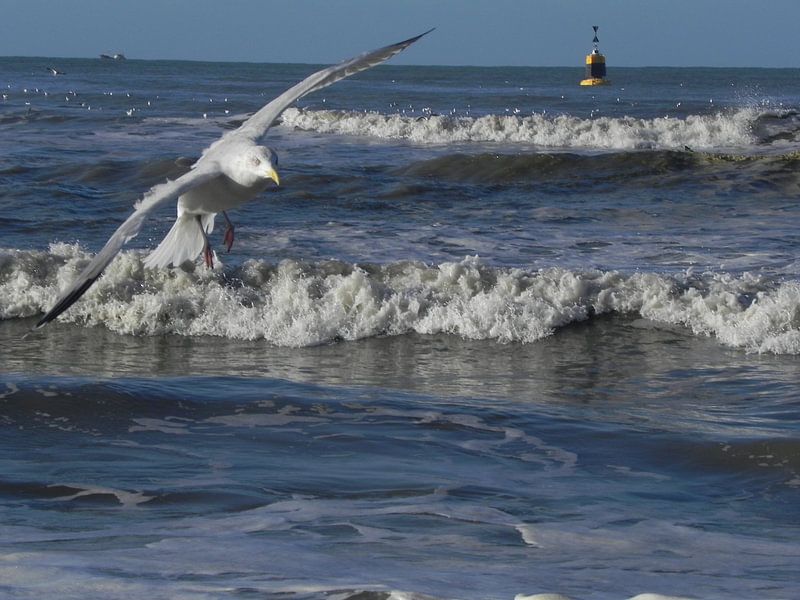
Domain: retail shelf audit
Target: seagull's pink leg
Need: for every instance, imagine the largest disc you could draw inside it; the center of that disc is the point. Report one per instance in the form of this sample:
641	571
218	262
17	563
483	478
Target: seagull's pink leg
228	240
208	254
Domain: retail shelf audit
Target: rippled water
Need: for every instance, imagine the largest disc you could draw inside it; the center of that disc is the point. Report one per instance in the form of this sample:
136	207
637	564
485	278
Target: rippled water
495	334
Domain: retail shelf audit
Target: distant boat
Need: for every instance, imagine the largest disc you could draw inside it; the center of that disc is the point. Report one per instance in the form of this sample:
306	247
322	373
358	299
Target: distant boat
55	71
119	56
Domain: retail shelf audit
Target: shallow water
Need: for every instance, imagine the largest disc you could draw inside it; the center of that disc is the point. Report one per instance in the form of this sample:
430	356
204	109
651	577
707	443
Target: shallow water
403	463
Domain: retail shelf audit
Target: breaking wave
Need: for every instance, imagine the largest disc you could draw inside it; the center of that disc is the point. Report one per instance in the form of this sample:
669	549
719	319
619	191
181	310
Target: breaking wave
300	304
727	129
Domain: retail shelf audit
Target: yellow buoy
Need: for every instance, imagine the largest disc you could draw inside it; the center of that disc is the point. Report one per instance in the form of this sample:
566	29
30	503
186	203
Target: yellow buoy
595	65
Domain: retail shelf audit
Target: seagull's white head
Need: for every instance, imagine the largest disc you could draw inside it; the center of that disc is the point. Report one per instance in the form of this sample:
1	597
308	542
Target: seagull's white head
254	166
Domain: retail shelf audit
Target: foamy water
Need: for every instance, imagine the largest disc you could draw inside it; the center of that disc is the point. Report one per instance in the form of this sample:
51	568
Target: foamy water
301	304
731	129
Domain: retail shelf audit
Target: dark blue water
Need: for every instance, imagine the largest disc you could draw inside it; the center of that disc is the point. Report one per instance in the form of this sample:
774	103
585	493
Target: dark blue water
494	335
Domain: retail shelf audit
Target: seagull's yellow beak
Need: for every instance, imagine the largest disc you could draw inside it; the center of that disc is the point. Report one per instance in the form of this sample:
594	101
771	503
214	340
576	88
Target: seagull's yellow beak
273	174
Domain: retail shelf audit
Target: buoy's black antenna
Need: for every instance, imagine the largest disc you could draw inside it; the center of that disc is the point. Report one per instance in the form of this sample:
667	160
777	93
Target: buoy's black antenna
595	41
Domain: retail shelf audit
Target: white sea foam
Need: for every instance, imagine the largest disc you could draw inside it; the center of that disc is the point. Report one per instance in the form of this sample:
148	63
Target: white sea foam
657	597
125	498
11	389
719	130
159	425
301	304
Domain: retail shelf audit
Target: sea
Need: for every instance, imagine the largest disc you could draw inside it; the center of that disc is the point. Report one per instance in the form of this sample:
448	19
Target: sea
495	336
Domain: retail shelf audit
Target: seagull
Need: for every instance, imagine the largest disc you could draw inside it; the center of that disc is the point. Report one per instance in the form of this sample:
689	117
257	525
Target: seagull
55	71
230	172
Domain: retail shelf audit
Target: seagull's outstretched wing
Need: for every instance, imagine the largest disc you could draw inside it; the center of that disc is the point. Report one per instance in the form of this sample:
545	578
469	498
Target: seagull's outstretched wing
207	167
257	125
158	195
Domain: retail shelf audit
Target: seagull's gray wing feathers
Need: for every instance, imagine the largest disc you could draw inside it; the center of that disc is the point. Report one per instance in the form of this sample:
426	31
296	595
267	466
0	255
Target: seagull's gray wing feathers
257	125
208	166
158	195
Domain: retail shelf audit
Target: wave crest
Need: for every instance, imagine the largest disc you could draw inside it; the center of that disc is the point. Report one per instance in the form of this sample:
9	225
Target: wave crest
295	303
719	130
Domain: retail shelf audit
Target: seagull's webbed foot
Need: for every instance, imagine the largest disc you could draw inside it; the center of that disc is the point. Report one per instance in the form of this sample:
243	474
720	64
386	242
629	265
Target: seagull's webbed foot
228	239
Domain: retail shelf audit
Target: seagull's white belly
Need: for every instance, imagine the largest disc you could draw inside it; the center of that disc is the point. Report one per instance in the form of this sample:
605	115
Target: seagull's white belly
221	193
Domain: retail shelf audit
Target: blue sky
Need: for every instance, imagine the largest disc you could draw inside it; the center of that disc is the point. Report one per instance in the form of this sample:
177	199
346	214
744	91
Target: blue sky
469	32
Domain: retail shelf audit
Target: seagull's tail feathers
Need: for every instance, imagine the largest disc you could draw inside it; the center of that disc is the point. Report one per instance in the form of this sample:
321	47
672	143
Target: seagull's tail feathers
185	241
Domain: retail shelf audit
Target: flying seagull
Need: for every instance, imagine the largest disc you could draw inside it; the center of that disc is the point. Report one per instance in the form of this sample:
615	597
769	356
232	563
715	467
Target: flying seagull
55	71
230	172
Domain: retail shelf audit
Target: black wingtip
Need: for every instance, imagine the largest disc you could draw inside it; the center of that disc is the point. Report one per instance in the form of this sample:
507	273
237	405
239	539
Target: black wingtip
406	43
415	38
65	303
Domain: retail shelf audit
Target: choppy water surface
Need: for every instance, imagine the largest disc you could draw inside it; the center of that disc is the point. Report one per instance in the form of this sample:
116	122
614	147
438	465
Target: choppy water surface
495	334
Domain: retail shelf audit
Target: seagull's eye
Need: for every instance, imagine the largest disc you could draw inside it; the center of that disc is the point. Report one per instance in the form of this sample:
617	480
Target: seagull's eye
256	161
